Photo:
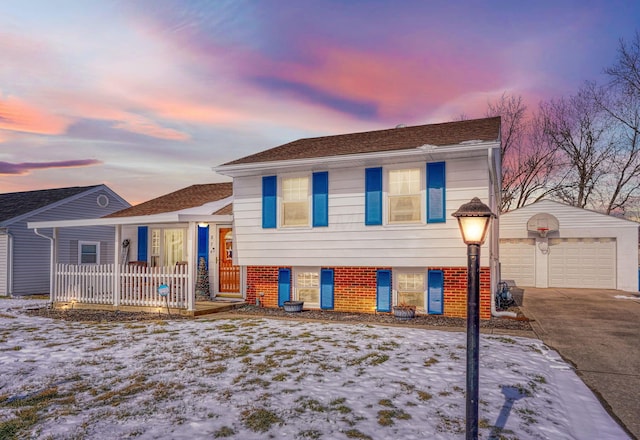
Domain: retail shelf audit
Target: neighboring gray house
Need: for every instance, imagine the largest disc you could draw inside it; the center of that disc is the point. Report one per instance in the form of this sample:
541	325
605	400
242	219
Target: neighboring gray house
25	257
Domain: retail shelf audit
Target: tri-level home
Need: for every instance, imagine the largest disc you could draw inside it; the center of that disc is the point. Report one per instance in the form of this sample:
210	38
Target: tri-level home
362	221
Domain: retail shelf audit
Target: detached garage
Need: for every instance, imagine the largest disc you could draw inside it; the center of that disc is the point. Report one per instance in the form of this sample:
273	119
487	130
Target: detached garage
549	244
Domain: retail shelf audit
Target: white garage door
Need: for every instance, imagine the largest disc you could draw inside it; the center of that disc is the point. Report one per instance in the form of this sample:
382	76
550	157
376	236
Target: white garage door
517	260
582	262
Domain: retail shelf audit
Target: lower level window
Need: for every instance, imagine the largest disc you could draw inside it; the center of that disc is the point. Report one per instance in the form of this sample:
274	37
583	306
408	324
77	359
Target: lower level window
307	284
89	252
410	289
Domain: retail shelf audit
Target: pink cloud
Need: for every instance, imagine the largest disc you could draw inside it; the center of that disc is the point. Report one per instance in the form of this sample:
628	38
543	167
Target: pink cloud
27	167
397	83
142	125
17	115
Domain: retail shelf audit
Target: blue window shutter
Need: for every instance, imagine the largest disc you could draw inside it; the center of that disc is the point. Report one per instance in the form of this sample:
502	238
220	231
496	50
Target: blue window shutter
143	239
203	245
435	281
383	291
320	184
284	286
326	289
269	201
373	196
436	197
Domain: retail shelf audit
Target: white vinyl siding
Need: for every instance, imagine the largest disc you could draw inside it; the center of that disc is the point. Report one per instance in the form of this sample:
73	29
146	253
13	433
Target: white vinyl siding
517	260
347	241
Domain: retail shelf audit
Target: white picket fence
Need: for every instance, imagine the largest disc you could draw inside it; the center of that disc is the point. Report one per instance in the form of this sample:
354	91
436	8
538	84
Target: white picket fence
94	284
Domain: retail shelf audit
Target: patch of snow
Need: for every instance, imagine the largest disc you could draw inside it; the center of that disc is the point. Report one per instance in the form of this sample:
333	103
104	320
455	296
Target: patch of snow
627	297
295	380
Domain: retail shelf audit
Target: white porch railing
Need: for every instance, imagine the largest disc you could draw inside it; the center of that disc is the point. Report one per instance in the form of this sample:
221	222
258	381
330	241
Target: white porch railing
94	284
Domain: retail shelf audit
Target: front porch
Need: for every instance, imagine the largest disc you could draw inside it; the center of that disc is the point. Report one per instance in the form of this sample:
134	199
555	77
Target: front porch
133	288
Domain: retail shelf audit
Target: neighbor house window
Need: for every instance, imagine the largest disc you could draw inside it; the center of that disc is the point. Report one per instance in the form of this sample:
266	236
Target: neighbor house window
295	201
89	252
168	246
410	288
404	196
307	287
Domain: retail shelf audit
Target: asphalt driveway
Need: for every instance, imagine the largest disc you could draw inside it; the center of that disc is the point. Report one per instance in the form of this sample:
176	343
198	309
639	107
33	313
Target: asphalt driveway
600	335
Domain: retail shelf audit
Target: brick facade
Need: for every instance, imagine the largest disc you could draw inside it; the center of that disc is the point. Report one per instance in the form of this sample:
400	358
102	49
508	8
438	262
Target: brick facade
355	289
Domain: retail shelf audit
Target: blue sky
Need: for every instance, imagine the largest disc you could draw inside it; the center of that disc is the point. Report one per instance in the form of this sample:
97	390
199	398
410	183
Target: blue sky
148	96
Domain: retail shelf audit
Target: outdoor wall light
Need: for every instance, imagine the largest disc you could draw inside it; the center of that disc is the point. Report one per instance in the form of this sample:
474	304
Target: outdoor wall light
203	225
473	219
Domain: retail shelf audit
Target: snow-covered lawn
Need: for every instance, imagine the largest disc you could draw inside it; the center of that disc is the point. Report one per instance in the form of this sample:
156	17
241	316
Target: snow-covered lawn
256	378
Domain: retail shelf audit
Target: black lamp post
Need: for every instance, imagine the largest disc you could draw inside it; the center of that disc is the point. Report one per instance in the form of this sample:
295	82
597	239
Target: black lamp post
473	219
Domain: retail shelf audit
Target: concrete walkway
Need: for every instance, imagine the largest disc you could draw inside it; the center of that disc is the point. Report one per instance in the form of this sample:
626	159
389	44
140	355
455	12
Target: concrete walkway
600	335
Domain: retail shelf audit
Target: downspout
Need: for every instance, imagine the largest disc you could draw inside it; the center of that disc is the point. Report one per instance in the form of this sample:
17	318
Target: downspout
9	261
493	260
52	263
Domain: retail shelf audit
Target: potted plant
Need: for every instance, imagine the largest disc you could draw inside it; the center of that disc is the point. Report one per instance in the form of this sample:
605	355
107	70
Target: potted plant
404	311
293	306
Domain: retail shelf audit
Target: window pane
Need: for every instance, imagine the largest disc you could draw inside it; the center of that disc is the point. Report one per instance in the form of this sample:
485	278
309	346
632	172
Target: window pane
295	214
404	209
88	253
295	201
309	296
173	246
308	287
403	182
411	289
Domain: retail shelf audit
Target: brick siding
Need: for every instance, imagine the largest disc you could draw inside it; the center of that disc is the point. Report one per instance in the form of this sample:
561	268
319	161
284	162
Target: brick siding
355	289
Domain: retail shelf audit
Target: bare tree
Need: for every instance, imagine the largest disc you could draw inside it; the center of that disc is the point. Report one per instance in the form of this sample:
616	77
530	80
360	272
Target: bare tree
528	161
620	99
578	129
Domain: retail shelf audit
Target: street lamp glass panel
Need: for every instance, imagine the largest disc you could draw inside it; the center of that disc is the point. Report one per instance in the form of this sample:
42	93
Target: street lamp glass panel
473	229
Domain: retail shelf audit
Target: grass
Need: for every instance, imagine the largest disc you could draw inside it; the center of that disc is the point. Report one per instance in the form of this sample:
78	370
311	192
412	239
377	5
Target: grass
260	420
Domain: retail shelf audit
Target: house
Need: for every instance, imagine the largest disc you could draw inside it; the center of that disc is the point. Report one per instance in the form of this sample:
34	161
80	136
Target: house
549	244
161	242
362	221
25	262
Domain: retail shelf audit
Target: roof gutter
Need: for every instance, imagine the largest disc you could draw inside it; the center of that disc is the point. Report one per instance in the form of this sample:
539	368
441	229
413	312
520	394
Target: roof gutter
52	263
494	261
237	169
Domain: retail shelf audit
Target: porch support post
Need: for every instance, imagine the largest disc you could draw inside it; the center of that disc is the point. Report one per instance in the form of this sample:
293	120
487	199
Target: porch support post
192	265
116	267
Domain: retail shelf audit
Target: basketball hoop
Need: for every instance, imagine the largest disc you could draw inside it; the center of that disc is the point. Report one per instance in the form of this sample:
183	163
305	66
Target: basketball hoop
543	231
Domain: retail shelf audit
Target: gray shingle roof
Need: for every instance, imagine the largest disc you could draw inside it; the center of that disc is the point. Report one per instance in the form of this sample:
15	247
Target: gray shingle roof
449	133
19	203
189	197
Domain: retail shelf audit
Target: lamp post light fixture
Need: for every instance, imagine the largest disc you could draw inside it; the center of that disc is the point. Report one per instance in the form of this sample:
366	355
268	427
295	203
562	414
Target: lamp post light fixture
473	219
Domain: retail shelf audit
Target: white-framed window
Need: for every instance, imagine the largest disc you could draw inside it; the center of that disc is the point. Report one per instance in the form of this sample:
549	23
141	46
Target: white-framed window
168	246
294	201
410	287
89	252
404	196
307	285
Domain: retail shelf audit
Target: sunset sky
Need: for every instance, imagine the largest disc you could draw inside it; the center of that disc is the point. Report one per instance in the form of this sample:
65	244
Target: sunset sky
148	96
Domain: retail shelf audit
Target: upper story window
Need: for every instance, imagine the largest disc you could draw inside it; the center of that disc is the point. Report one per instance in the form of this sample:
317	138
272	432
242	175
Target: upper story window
295	201
89	252
404	196
401	199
